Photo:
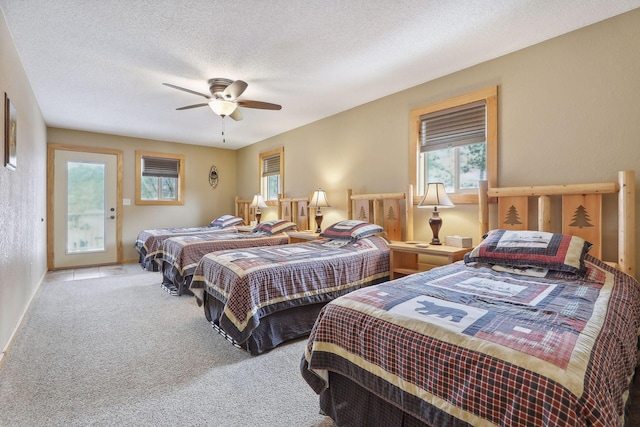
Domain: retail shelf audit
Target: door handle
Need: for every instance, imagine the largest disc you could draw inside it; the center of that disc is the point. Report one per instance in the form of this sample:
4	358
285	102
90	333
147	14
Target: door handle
112	217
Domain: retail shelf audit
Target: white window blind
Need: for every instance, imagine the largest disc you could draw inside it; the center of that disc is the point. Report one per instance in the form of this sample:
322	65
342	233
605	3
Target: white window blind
160	167
271	165
462	125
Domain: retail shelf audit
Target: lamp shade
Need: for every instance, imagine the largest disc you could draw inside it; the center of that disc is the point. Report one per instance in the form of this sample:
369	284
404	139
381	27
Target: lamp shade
319	200
435	196
258	202
222	107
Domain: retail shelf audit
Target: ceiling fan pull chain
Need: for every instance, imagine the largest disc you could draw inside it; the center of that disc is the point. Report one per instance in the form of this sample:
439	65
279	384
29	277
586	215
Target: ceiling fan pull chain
223	138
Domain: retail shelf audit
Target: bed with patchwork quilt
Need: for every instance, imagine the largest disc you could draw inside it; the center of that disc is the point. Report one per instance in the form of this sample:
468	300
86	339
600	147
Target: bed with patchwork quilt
531	329
149	242
181	255
468	345
260	297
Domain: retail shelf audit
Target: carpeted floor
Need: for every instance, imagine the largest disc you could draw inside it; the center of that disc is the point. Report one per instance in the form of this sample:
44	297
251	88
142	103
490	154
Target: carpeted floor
120	351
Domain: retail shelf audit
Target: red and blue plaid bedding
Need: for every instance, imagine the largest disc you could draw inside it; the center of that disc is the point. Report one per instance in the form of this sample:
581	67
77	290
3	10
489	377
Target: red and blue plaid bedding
149	242
255	282
469	345
180	255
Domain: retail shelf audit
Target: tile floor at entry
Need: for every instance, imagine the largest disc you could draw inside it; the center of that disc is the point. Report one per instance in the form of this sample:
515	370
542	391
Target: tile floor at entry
93	272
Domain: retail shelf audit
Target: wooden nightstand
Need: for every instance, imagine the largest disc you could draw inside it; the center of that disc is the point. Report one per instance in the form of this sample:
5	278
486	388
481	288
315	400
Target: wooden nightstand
245	228
405	257
302	236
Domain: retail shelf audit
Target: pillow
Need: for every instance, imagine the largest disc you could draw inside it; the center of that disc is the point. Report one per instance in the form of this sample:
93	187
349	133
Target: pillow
526	248
226	221
275	226
351	230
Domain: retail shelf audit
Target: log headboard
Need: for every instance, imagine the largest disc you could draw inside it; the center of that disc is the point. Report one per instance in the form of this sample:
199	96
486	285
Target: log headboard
384	209
581	207
292	209
295	209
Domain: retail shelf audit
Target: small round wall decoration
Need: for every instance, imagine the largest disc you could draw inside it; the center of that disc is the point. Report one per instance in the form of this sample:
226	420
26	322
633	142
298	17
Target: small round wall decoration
213	177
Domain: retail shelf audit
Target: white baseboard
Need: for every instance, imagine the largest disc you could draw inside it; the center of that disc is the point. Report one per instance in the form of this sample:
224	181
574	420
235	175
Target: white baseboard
12	337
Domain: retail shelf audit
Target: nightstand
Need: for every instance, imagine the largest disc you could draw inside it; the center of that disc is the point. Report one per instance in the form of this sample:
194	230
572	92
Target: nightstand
245	228
302	236
406	257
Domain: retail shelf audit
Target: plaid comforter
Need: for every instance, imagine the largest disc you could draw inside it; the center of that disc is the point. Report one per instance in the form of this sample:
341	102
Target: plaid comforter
255	282
472	346
149	242
180	255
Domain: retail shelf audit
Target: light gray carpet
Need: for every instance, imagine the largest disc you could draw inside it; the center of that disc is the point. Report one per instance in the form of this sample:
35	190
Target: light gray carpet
120	351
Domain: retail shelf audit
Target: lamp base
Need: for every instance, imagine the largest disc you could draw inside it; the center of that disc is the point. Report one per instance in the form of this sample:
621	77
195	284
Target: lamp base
435	222
258	216
318	223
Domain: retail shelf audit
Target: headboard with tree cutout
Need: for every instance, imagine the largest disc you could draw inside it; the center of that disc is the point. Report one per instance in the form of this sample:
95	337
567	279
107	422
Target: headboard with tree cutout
292	209
581	212
389	210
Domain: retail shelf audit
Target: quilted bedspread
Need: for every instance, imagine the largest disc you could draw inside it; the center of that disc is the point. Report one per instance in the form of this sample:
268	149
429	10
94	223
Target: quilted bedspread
149	242
181	255
472	346
255	282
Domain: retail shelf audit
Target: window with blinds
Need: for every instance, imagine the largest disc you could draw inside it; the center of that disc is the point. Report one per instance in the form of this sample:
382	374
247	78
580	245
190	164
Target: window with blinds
271	165
453	127
454	141
159	178
159	167
271	174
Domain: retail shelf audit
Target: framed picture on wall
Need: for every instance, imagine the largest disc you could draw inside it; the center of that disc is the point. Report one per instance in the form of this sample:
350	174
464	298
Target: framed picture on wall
10	132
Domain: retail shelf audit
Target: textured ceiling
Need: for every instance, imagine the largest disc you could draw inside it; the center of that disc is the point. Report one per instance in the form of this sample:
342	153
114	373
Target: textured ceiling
99	65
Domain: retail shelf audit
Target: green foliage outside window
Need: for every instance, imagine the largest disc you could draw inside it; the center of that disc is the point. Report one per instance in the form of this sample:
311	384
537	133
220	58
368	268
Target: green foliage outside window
469	161
85	187
158	188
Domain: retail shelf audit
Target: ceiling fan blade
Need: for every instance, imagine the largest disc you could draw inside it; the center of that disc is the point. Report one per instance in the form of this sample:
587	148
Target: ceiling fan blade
192	106
236	115
187	90
234	90
258	104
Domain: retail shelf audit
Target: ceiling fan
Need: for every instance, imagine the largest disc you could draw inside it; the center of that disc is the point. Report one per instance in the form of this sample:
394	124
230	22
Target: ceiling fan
224	98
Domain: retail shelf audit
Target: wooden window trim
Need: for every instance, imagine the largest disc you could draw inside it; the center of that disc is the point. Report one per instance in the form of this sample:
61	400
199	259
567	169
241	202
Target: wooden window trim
261	157
181	179
490	96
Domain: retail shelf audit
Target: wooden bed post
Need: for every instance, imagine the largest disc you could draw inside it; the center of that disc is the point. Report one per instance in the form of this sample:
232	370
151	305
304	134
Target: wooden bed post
544	213
483	208
237	208
627	222
408	213
349	203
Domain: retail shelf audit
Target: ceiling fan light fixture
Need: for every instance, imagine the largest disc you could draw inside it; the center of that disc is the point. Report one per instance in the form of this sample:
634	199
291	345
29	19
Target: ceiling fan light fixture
222	108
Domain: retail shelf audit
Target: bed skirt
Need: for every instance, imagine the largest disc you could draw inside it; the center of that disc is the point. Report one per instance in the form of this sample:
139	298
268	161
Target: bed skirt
349	404
274	329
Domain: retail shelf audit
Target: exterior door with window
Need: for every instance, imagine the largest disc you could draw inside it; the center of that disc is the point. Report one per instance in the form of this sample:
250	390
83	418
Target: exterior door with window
85	209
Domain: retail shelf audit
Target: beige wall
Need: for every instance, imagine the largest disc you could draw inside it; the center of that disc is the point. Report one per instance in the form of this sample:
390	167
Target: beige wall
202	202
23	227
568	111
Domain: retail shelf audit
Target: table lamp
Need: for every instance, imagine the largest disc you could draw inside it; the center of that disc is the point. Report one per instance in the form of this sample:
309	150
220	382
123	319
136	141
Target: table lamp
434	196
319	200
258	202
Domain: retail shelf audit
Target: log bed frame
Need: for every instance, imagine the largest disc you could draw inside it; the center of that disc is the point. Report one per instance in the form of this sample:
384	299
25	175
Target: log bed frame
296	322
384	209
292	209
581	212
580	203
